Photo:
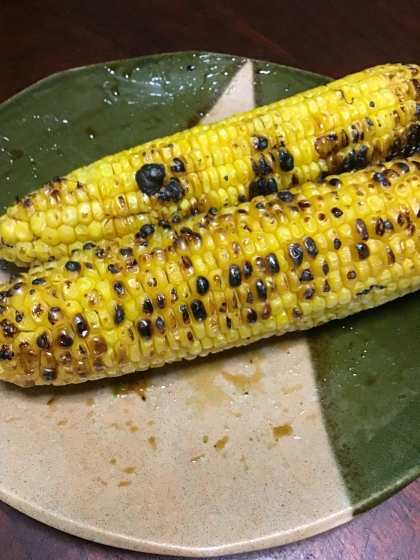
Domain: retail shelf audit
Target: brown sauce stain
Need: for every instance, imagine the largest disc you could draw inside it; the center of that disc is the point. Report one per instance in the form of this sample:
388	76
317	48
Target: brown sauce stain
150	423
205	391
220	444
116	426
152	441
89	414
104	482
130	470
198	458
290	390
243	460
138	387
282	431
129	423
113	461
63	422
134	429
90	402
52	403
243	382
124	483
205	439
13	419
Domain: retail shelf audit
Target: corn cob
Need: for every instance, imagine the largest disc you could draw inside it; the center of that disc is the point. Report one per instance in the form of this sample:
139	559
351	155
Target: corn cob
339	127
277	264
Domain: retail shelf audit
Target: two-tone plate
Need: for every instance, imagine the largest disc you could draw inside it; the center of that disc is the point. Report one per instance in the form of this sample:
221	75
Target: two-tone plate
248	449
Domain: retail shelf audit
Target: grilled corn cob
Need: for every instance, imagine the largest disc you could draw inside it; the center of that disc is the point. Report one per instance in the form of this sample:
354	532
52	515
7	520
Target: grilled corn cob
279	263
339	127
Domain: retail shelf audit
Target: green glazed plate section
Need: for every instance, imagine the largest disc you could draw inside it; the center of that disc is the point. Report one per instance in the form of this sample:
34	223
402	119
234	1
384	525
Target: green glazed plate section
367	367
75	117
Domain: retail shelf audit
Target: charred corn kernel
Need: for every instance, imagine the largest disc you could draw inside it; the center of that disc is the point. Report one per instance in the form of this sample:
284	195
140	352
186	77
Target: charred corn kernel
143	304
339	127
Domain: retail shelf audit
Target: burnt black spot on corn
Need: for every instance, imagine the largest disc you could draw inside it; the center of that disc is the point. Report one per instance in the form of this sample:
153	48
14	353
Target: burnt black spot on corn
336	212
126	251
147	306
185	315
42	341
379	227
272	262
164	224
295	253
265	168
6	353
361	229
144	327
381	179
261	290
81	325
247	269
150	178
285	196
64	341
119	289
203	285
160	325
114	269
251	316
362	250
119	314
177	166
311	247
307	276
235	276
309	294
198	310
260	143
160	301
286	160
169	312
177	174
145	231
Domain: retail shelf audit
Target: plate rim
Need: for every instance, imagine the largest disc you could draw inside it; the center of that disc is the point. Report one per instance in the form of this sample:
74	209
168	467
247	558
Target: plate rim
109	538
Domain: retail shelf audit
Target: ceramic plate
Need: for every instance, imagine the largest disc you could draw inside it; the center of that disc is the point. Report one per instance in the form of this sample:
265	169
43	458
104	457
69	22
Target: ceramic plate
244	450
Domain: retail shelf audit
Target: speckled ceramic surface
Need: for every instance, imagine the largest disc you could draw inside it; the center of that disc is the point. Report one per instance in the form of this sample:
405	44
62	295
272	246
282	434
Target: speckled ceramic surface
243	450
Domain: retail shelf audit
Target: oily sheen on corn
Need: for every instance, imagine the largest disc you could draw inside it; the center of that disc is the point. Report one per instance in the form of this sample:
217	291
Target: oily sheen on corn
279	263
339	127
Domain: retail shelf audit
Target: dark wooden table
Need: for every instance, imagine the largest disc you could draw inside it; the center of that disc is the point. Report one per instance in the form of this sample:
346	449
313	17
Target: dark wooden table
333	37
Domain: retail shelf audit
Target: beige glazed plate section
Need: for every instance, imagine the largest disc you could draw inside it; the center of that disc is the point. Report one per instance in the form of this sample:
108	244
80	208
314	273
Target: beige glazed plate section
221	455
